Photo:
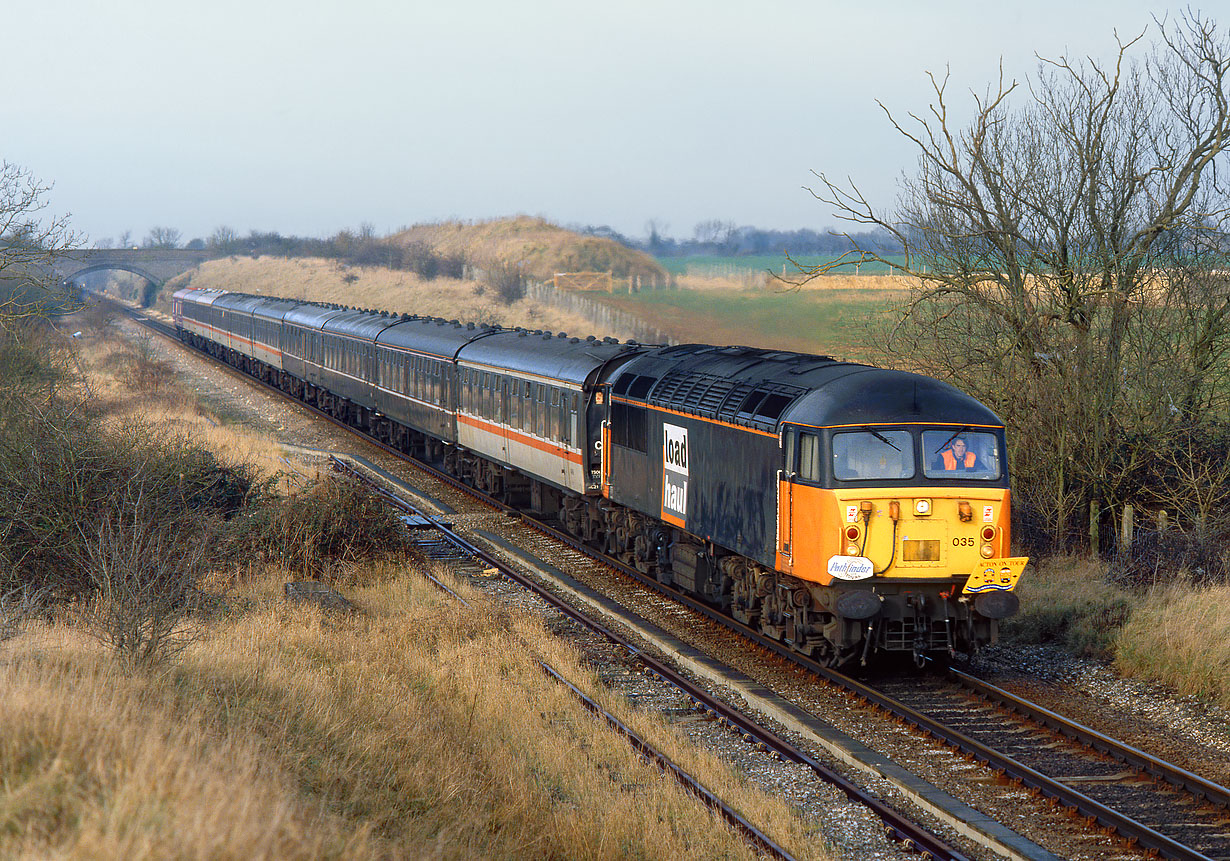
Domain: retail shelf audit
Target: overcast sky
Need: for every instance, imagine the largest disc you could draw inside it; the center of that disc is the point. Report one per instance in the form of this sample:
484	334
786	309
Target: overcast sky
307	117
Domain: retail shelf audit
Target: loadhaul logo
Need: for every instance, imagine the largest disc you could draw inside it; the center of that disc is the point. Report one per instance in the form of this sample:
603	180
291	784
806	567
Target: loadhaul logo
674	474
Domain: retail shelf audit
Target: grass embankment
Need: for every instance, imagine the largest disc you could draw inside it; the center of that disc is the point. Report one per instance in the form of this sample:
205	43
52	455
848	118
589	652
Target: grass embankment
415	728
411	728
376	288
1174	633
538	247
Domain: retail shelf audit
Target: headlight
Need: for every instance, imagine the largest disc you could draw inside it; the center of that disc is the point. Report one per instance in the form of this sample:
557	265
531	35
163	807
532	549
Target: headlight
851	549
987	551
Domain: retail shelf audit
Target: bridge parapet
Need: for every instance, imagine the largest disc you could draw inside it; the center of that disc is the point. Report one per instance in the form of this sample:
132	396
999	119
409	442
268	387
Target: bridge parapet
154	264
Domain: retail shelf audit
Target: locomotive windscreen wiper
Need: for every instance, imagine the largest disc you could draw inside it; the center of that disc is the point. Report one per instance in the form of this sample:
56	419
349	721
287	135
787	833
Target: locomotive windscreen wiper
951	438
882	438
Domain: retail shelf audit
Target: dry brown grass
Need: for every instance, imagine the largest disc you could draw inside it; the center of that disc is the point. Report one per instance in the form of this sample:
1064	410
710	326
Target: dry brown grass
1066	601
415	729
1180	636
170	410
543	248
376	288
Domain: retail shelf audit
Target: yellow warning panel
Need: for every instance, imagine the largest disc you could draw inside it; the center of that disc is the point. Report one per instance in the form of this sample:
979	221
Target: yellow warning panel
996	575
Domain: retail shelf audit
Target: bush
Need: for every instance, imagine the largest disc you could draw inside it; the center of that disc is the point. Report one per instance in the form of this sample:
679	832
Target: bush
330	522
62	474
508	282
144	564
1159	557
146	372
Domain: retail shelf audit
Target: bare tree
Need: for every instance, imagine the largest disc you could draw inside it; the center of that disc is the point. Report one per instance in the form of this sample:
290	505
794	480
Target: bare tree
714	231
145	567
223	239
1066	255
162	237
125	240
31	241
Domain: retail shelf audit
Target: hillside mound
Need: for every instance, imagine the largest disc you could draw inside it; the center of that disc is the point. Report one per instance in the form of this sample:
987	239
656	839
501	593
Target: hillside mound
398	291
540	247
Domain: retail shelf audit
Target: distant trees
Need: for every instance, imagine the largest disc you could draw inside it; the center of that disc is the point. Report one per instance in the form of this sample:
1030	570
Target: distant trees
363	248
162	237
222	240
718	236
1068	247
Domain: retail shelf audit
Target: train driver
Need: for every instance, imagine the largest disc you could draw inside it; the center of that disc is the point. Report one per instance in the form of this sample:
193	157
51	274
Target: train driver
956	457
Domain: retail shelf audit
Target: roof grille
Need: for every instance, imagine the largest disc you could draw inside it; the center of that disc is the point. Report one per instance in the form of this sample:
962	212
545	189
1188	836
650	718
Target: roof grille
723	398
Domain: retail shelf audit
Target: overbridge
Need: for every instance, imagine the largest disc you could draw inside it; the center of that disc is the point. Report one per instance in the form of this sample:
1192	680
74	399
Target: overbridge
156	265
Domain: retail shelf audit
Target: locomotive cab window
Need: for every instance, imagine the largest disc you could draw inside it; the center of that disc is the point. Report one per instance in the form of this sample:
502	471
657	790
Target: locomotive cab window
803	461
961	454
873	454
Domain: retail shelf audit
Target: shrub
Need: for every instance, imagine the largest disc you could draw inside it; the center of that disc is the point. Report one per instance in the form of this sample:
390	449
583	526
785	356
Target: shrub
331	521
144	563
507	280
146	372
62	474
1159	557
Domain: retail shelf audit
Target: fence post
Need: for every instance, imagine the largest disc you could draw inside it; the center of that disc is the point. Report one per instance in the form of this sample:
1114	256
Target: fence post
1129	527
1095	511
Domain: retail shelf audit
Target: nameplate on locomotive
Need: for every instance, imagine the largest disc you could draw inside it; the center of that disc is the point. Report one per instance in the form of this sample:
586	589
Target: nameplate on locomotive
850	567
675	473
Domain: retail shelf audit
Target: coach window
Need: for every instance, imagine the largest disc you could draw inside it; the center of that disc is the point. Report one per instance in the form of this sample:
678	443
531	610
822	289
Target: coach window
516	406
540	409
573	423
553	415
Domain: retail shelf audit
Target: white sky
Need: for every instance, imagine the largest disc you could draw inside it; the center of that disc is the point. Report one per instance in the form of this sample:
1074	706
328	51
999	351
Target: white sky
306	117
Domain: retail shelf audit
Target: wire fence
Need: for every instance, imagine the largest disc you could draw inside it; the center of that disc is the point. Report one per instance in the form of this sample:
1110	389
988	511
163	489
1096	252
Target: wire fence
604	318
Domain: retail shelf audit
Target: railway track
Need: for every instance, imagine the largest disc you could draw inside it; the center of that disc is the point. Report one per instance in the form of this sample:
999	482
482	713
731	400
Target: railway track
1148	801
442	542
1163	810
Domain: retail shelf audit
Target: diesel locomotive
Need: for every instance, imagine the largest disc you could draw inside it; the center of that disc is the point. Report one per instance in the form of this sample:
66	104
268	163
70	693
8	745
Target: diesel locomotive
843	509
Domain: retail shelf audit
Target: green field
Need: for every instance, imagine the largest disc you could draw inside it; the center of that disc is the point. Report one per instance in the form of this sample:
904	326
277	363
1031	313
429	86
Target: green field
834	322
707	265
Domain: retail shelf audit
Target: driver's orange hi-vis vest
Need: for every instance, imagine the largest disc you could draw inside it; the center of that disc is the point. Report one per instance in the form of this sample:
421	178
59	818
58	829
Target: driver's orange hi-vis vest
950	459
